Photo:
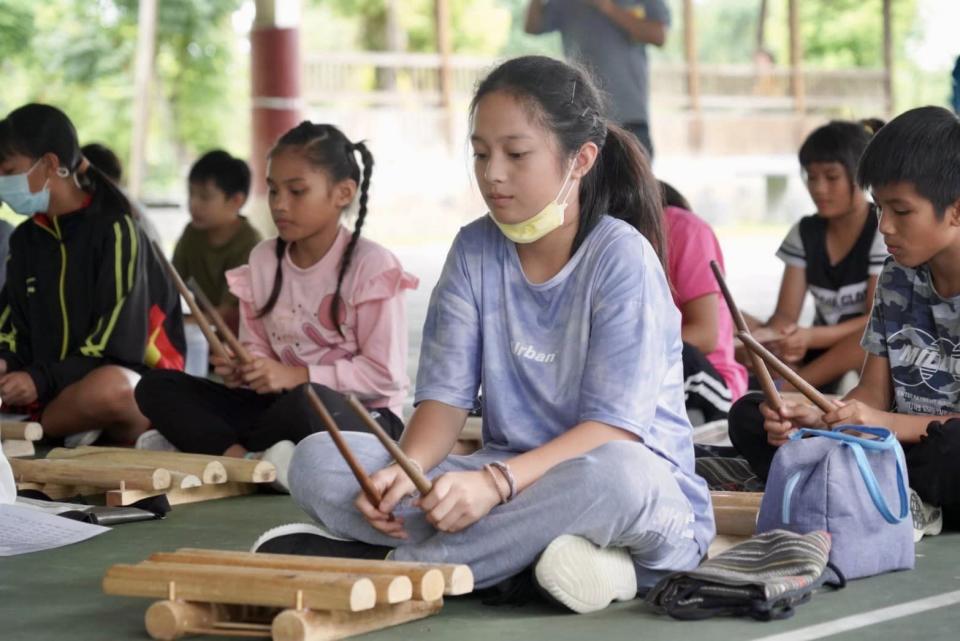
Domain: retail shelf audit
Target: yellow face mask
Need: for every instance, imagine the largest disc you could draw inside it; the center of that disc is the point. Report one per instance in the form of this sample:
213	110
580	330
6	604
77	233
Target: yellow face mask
542	223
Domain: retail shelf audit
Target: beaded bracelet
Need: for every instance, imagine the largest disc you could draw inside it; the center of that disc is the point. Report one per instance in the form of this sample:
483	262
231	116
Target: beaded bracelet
511	481
496	482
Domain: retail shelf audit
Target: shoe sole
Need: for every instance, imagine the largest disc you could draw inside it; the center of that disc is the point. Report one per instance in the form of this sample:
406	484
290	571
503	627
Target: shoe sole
294	528
584	577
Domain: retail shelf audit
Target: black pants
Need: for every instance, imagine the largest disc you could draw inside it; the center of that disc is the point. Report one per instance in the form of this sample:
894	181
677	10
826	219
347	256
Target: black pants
703	387
198	415
931	463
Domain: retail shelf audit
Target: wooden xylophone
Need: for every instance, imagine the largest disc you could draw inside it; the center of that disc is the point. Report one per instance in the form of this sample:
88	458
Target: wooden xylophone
126	476
286	597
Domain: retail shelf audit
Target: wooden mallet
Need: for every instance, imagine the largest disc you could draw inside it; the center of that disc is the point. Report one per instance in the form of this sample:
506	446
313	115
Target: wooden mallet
788	374
763	375
202	320
419	479
365	483
245	357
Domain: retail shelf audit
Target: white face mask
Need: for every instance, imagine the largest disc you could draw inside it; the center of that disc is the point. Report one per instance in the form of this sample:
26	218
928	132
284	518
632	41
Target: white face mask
542	223
15	191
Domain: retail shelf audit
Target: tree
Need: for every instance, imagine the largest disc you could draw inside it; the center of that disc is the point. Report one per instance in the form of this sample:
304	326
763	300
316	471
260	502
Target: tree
85	66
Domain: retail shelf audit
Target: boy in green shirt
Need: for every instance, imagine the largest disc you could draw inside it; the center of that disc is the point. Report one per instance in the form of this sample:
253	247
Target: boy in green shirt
217	238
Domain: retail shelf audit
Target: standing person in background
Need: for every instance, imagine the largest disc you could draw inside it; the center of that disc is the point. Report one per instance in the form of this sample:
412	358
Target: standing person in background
610	38
956	87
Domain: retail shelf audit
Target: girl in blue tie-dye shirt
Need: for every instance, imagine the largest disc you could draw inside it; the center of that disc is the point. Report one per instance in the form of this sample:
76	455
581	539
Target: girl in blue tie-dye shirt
563	314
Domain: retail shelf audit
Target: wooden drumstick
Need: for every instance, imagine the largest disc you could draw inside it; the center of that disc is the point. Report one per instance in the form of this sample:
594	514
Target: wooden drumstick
788	374
763	375
202	320
365	483
245	357
419	479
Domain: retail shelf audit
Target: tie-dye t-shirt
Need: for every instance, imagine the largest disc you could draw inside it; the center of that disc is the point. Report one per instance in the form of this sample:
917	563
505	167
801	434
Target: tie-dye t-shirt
918	331
599	341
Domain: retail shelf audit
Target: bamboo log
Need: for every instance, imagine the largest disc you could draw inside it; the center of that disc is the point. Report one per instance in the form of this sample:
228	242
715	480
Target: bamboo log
68	472
176	496
419	479
210	469
252	586
20	430
221	325
309	625
169	620
788	374
18	448
736	499
198	314
179	480
766	381
430	581
371	492
736	520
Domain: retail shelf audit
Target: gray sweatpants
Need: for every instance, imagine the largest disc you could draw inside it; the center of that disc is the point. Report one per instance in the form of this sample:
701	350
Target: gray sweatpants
619	495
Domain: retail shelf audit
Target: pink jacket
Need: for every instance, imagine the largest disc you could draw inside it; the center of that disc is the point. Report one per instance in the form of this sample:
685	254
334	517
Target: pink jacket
370	359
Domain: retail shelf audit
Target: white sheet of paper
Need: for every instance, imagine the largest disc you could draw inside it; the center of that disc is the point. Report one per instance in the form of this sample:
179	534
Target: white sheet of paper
24	529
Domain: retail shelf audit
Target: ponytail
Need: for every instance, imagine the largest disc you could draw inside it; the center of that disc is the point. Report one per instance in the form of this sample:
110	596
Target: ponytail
622	185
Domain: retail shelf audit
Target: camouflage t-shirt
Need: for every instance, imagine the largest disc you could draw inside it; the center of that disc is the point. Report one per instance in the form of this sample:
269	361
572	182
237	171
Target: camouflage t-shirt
918	331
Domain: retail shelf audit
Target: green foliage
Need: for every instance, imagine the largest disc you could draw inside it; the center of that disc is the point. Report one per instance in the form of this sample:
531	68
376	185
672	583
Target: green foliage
479	27
85	65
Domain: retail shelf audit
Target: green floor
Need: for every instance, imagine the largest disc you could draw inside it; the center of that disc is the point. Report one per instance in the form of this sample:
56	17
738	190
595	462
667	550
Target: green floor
56	595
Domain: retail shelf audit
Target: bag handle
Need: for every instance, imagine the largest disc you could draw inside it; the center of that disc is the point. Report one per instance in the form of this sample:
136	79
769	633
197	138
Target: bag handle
887	441
870	480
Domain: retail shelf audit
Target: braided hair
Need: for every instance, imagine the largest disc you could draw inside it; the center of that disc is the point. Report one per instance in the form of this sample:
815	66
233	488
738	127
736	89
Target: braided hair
327	148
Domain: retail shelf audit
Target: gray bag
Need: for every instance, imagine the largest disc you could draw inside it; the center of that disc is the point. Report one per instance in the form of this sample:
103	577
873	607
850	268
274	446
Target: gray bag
838	482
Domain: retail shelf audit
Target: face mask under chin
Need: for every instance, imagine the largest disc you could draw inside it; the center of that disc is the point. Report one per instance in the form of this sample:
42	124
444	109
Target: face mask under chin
543	222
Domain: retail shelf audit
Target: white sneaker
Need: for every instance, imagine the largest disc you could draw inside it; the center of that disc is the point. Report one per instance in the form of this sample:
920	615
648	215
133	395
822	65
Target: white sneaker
280	454
583	576
927	519
82	439
154	440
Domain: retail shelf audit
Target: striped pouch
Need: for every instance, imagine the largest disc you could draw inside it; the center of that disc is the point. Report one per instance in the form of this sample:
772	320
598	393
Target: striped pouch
764	577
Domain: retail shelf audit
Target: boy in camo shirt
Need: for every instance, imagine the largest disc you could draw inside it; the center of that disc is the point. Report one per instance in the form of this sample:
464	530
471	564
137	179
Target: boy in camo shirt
910	381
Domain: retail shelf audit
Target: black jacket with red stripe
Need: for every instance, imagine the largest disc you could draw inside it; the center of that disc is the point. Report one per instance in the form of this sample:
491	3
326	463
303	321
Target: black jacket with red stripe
86	289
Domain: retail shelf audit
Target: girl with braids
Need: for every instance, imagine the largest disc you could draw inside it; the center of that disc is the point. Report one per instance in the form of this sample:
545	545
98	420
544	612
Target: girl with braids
557	304
87	307
319	305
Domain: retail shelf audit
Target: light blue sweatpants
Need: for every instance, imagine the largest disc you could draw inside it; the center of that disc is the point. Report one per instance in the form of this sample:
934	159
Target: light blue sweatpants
620	494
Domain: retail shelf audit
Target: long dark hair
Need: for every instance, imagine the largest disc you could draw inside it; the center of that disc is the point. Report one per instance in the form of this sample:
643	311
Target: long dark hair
565	101
35	129
328	149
